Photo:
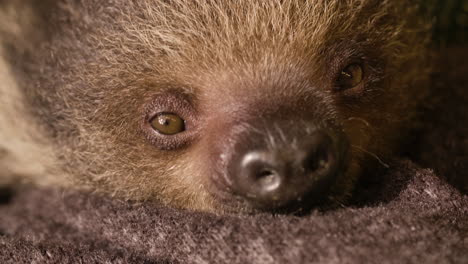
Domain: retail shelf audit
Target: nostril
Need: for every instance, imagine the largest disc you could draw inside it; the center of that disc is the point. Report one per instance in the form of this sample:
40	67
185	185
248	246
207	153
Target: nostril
318	160
319	155
268	179
261	172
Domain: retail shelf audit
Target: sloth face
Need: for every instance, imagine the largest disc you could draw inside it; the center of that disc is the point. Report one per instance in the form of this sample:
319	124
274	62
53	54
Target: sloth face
236	106
278	149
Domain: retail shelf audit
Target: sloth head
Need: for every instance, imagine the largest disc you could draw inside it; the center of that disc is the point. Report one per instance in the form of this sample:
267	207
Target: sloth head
227	105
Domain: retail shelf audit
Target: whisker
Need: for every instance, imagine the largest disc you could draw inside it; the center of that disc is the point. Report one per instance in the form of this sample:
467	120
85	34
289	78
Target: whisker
359	119
372	155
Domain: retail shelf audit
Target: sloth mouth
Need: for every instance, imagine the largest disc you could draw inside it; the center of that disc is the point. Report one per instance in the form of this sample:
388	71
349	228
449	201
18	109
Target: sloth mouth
329	198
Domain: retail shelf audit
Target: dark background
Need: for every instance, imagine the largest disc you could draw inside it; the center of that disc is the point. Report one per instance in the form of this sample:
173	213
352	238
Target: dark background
451	20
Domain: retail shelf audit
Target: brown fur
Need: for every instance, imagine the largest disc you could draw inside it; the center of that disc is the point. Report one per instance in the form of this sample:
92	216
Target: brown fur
76	74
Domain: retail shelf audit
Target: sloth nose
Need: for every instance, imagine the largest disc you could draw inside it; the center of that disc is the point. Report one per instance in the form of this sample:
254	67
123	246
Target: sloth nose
276	177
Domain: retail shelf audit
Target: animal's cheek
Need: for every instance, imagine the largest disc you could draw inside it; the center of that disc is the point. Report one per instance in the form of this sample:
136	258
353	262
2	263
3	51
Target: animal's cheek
358	130
191	171
344	184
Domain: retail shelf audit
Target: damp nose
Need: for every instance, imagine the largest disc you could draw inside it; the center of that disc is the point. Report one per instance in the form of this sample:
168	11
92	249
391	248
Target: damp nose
272	178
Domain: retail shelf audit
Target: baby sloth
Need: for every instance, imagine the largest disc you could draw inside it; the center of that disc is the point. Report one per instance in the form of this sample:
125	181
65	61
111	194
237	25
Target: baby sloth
223	106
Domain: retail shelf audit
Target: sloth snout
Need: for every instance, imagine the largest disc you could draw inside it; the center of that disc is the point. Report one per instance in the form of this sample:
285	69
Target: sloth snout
287	173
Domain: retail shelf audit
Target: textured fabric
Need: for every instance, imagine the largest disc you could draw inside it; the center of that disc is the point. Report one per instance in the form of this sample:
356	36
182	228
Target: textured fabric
415	218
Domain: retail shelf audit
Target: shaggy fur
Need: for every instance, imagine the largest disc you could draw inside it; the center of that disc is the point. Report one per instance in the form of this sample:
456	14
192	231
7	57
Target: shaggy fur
76	74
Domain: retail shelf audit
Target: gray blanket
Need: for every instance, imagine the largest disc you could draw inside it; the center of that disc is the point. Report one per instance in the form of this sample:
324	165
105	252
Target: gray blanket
414	218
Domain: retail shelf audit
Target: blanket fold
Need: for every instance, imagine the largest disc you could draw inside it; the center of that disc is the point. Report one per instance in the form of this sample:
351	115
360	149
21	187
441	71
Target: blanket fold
426	222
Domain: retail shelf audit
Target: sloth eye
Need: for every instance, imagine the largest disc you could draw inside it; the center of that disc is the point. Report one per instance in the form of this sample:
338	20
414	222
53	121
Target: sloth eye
351	76
168	123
